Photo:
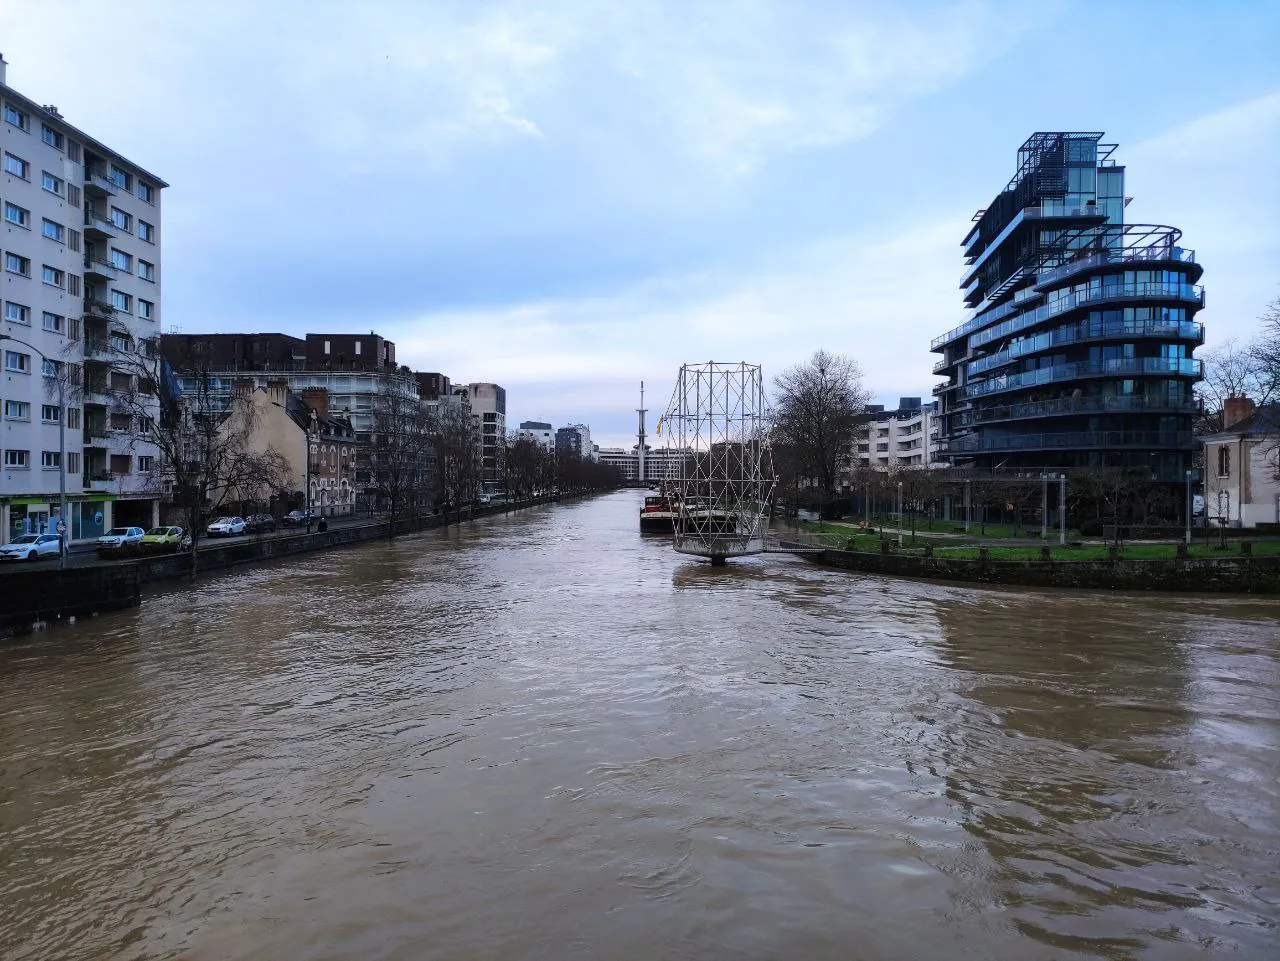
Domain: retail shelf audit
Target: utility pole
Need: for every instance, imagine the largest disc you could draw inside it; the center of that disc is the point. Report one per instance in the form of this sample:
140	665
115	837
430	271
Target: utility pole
640	436
1062	510
1188	537
1044	507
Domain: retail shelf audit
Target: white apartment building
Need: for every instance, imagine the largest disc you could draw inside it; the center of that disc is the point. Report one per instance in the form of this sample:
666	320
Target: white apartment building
659	463
539	431
489	410
80	286
906	437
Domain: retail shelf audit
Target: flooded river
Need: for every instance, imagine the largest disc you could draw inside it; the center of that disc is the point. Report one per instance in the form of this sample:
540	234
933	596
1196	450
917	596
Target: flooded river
542	737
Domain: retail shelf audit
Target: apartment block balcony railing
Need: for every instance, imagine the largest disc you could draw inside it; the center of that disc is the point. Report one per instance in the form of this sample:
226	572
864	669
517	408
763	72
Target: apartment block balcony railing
97	183
96	224
1106	439
1125	257
97	349
102	483
1184	293
97	308
1123	367
1066	406
100	268
1171	330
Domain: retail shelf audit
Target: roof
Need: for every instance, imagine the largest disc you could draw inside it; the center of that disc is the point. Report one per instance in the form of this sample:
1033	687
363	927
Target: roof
97	145
300	414
1263	422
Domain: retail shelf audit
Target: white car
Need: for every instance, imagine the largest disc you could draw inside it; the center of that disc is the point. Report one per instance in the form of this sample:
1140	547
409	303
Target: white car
226	527
120	536
30	547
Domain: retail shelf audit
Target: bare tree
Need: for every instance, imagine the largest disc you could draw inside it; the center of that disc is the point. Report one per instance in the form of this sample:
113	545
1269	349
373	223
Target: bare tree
1233	370
205	441
456	457
527	465
400	452
819	406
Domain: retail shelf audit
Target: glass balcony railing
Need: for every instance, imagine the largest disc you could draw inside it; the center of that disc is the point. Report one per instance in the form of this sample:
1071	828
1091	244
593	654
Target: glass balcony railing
1079	333
1186	293
1073	439
1136	366
1066	406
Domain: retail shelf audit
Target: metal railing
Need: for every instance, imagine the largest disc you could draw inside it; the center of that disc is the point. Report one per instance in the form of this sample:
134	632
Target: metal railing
93	265
1162	291
1090	330
1063	406
1074	439
1179	366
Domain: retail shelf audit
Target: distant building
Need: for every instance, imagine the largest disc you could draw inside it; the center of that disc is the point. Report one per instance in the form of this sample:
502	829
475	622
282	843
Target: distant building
577	439
1242	466
432	386
659	463
906	437
489	409
539	431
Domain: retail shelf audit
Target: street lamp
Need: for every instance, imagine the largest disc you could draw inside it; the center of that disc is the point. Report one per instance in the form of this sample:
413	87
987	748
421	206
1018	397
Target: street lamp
1188	535
899	514
62	453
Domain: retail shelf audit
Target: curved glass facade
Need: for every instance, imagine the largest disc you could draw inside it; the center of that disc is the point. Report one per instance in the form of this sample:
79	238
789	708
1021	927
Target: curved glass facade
1078	351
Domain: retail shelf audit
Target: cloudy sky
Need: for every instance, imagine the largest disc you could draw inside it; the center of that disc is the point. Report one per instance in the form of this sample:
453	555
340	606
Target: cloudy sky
568	197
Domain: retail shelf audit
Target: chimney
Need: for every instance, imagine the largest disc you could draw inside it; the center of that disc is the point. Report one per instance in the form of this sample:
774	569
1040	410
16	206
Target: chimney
277	390
317	399
243	387
1234	410
4	69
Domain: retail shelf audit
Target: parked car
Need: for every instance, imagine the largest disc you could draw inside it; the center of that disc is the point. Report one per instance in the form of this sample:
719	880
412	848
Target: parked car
259	524
30	547
226	527
166	538
295	518
121	537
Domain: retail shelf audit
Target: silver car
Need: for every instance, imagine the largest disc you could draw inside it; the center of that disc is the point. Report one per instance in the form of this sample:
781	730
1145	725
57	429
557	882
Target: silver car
30	547
120	536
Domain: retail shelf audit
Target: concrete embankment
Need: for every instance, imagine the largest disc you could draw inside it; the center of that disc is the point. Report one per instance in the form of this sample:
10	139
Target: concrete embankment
1244	575
33	599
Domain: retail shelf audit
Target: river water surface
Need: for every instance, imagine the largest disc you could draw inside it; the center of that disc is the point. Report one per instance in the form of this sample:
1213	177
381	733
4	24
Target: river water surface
543	737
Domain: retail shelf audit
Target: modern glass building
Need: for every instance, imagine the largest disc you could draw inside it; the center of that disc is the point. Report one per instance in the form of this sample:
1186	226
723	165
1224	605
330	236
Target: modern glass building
1077	349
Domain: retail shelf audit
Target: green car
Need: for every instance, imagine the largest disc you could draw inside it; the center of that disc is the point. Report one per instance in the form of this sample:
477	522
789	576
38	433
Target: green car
174	538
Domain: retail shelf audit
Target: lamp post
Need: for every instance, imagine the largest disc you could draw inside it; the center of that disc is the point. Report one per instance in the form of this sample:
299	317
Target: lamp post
899	514
1044	508
1062	510
1188	535
62	454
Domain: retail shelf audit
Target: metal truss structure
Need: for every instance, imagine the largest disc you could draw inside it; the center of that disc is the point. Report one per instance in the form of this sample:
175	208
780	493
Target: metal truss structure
725	480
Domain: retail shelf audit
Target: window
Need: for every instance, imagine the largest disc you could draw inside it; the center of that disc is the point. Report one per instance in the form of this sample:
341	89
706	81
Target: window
119	342
17	313
73	286
146	192
147	271
72	326
120	463
73	240
52	230
15	116
17	458
146	232
73	463
49	413
17	215
1224	460
15	361
121	301
145	463
17	410
53	276
146	425
146	309
121	219
357	348
73	195
16	166
73	151
121	422
50	459
326	347
121	261
73	418
120	177
50	136
49	368
51	183
17	265
121	381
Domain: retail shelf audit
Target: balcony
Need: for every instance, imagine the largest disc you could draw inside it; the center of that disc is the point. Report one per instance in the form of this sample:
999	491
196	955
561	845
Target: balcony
98	226
1068	406
1159	253
102	483
1131	367
1183	293
97	349
100	270
1076	440
97	308
1168	330
97	183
